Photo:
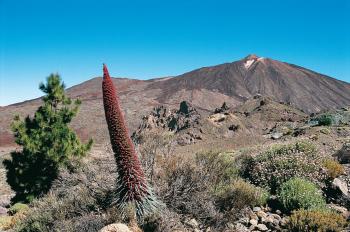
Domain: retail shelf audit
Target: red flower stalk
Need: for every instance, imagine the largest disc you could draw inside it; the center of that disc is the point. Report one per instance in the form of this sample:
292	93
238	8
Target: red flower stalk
132	184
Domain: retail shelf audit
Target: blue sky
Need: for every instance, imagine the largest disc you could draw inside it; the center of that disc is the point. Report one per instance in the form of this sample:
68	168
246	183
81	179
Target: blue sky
146	39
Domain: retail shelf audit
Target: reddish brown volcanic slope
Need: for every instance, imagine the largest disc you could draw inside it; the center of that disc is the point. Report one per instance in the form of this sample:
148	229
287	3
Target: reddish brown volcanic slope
206	88
303	88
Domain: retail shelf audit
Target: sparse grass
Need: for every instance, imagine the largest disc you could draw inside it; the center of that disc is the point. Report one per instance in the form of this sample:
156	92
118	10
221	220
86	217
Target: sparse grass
240	194
334	168
316	221
325	131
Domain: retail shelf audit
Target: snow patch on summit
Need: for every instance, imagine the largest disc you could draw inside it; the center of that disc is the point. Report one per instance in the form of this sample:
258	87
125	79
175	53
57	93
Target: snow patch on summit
248	63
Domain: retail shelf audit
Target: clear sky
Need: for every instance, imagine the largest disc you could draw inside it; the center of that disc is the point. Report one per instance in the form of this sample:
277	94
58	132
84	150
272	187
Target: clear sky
146	39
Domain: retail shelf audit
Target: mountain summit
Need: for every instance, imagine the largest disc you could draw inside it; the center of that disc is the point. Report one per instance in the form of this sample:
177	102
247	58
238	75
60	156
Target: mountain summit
252	75
205	88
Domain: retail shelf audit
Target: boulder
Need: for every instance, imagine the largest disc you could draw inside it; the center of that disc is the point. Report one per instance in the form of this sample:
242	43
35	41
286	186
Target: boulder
340	186
116	227
343	155
262	227
222	109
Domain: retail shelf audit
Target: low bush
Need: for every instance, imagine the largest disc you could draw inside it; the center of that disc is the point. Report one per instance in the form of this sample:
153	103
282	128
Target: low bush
334	168
316	221
324	120
17	208
80	200
240	194
166	221
325	131
283	162
221	167
300	194
6	222
186	189
188	186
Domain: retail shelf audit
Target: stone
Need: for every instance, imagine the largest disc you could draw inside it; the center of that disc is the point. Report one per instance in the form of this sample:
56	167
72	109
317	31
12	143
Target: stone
253	216
343	154
222	109
231	226
269	219
3	211
262	227
276	221
116	227
276	135
256	209
278	217
341	186
252	227
278	212
244	220
253	222
238	227
192	223
261	214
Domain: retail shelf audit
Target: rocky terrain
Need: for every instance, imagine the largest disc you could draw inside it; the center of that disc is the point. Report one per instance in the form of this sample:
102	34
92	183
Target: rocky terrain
169	136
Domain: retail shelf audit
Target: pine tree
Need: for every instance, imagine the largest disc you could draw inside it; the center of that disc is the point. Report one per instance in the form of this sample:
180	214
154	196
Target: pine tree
132	185
47	141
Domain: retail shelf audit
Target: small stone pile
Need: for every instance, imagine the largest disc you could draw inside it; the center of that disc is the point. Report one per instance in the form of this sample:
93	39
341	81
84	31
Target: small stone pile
262	219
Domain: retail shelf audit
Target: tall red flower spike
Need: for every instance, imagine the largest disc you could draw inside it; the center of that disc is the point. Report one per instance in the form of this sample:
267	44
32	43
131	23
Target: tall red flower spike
132	184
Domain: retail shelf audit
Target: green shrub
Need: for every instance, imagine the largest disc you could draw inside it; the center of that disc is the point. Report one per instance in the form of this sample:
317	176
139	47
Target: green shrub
316	221
334	168
221	166
18	207
324	120
240	194
298	193
282	162
48	143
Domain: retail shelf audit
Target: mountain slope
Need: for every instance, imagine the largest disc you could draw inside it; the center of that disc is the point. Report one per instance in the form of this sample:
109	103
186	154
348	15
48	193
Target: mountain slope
205	88
253	75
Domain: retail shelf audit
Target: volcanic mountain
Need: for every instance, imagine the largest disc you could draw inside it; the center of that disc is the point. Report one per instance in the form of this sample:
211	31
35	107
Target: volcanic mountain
205	88
303	88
